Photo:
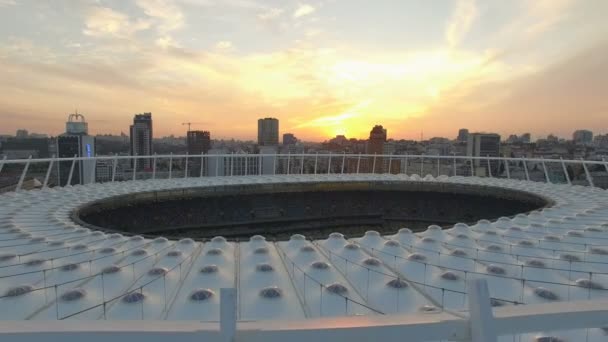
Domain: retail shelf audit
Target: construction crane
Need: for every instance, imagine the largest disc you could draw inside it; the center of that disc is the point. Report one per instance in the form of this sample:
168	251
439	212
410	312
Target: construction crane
190	123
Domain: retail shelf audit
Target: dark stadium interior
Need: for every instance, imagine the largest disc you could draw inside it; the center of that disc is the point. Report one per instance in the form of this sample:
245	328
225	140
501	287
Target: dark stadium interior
279	210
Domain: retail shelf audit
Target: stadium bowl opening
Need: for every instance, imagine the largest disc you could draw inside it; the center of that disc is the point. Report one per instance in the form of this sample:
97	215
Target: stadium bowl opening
278	210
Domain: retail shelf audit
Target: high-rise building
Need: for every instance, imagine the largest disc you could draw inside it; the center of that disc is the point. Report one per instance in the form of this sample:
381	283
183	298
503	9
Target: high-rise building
525	138
375	145
76	142
463	135
601	141
198	142
21	134
289	139
377	138
582	136
141	139
268	132
484	145
21	148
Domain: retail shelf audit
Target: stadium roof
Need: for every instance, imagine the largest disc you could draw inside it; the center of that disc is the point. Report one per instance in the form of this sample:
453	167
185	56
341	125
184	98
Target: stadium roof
51	268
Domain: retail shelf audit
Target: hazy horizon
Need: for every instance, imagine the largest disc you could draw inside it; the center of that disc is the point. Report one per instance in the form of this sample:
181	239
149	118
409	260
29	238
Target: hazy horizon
321	67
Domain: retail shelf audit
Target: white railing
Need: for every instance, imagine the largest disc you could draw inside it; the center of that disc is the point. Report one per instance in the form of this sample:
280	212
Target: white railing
84	170
482	324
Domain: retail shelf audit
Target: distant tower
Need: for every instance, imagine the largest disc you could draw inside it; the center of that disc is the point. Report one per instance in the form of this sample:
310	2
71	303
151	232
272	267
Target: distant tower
76	124
484	145
463	135
76	142
582	136
22	134
375	145
141	139
198	142
289	139
377	138
268	132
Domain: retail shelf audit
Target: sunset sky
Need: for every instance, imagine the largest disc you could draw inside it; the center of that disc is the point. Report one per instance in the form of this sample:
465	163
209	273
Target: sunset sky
321	67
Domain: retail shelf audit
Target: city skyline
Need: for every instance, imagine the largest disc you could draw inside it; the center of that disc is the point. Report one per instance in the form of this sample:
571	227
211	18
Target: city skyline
24	133
319	68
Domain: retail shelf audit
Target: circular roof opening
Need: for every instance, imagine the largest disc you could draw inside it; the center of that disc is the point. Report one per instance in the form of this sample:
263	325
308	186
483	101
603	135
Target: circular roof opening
371	262
139	252
201	294
320	265
433	228
548	339
261	250
218	239
307	249
174	254
458	253
416	257
271	292
133	297
73	294
494	269
545	293
209	269
69	267
336	288
214	251
570	257
110	269
525	243
158	271
107	250
392	243
35	262
535	263
574	233
264	268
494	248
351	246
336	235
590	284
7	257
449	275
19	290
397	284
593	250
267	208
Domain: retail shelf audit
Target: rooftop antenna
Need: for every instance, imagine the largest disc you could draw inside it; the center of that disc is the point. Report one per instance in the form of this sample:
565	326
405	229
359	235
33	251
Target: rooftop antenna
189	124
